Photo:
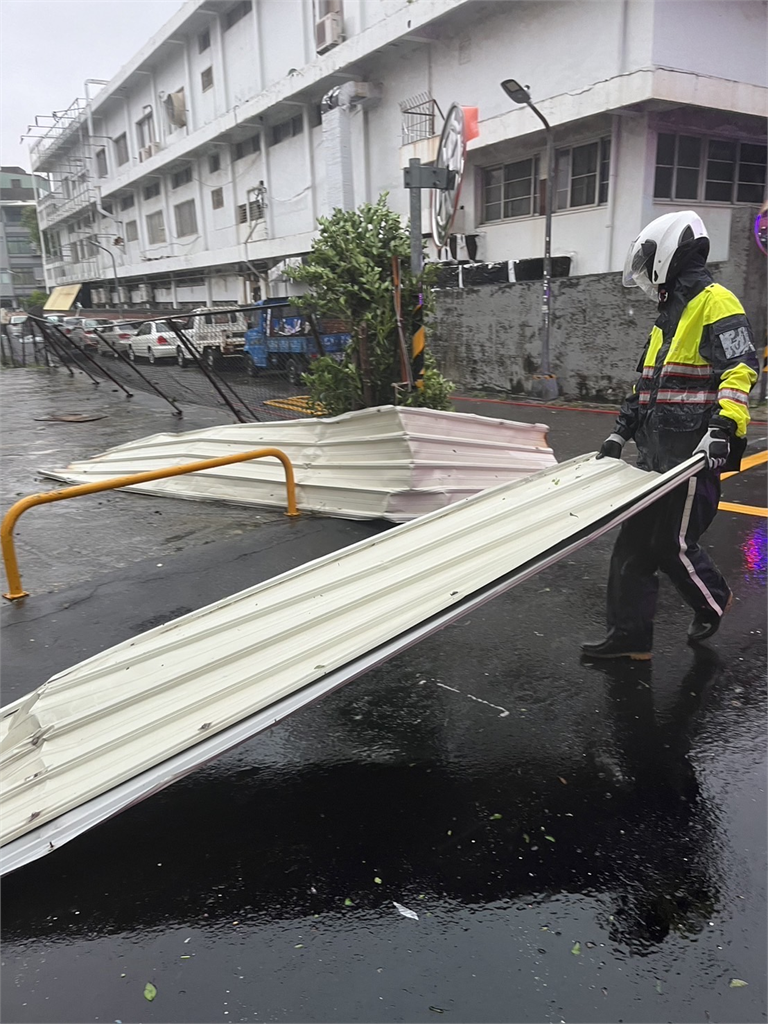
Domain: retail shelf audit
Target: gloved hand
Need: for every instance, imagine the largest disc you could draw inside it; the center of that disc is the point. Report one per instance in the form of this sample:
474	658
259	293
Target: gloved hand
611	447
716	445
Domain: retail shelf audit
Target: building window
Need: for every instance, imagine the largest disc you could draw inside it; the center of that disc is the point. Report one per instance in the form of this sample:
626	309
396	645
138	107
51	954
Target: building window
206	79
145	130
709	170
510	190
250	211
582	175
107	207
204	41
131	231
156	228
19	247
153	190
15	182
234	14
247	146
186	218
217	198
127	202
12	215
182	177
101	163
286	129
121	149
214	163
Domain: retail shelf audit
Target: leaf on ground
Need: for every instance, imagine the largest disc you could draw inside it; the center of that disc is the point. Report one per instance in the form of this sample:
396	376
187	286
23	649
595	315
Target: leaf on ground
348	902
377	880
150	991
738	983
658	987
405	911
564	781
495	817
576	948
526	837
549	838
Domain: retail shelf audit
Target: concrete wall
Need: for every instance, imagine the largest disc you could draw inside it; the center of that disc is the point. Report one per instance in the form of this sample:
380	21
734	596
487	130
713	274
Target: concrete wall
489	336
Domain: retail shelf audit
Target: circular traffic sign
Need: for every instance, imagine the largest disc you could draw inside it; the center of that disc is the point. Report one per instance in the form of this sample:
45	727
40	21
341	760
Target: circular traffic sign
451	153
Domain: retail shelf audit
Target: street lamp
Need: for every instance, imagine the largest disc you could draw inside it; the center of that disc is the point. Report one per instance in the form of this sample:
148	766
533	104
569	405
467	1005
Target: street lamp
520	94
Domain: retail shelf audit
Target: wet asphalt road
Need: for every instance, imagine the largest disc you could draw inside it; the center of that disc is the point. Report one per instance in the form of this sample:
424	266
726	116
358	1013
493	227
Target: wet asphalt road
580	844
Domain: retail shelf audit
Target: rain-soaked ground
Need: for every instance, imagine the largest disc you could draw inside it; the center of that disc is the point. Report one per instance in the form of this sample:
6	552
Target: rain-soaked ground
578	843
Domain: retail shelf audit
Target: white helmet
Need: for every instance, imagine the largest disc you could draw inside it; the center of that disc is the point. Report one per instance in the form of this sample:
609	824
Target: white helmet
651	261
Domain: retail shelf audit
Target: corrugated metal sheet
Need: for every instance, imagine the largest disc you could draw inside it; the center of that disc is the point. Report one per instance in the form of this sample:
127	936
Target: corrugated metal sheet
383	463
60	300
130	720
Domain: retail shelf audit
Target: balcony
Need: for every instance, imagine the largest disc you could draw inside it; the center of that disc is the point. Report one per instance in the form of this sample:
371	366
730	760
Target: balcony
53	207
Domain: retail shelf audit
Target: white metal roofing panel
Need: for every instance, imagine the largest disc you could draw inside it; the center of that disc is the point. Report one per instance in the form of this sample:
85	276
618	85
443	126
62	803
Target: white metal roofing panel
136	707
388	462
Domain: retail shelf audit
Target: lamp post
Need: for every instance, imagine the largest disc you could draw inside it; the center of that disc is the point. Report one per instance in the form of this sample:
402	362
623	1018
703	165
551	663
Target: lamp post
114	266
519	94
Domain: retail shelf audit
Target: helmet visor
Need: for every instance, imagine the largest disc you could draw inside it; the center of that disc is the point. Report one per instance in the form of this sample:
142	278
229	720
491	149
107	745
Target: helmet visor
636	266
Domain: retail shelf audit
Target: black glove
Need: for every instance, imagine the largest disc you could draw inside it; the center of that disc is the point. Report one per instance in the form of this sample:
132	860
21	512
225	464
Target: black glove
611	447
716	445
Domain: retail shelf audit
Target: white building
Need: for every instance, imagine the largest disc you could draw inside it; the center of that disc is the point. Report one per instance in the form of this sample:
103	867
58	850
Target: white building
206	161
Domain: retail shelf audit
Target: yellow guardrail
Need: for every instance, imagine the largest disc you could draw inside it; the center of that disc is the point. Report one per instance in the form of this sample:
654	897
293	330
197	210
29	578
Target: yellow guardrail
10	518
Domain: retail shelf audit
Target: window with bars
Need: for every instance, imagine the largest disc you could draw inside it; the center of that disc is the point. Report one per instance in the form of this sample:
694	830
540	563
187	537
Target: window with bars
246	147
582	174
121	149
206	79
217	198
214	163
156	228
131	231
186	218
251	211
127	202
153	190
692	167
510	190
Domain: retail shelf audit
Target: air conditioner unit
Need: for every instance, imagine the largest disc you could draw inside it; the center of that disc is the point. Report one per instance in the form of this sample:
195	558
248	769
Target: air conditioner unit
142	294
122	295
328	32
146	152
99	296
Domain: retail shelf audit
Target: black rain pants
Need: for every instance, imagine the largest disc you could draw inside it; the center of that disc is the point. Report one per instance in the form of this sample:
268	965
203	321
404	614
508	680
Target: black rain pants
665	536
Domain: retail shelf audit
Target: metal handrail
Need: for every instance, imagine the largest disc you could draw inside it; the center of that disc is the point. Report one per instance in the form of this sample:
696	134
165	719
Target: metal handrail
15	590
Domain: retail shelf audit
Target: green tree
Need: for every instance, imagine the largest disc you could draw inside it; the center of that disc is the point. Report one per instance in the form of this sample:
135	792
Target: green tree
30	222
37	298
349	275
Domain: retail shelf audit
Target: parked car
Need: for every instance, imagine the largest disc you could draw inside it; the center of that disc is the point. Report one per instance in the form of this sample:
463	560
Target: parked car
118	334
84	335
17	326
154	340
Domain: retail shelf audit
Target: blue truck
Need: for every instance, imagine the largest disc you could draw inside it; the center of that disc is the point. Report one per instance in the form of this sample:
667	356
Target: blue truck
282	338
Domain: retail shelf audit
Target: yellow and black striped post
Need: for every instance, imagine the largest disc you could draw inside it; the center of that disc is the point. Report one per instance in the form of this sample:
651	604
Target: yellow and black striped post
418	343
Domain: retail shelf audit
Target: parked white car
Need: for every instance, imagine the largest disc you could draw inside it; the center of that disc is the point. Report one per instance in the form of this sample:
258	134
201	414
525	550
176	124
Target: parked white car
154	340
18	326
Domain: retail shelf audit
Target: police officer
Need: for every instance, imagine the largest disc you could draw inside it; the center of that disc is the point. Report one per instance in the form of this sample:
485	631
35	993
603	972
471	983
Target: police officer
697	370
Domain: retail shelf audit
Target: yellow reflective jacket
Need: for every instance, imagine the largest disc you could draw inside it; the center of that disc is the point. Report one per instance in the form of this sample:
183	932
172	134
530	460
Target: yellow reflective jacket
698	367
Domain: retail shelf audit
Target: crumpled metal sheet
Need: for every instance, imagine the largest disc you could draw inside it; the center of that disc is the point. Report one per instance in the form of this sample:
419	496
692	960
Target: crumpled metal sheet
132	719
383	463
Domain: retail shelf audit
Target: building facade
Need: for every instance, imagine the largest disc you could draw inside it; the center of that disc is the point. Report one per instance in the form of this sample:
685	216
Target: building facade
21	263
204	164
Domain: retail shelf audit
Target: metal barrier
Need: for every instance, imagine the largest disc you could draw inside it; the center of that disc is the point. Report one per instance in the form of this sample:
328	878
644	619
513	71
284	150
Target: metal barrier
9	520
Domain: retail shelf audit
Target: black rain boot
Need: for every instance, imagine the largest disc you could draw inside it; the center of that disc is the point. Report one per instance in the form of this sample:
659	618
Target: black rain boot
706	622
617	646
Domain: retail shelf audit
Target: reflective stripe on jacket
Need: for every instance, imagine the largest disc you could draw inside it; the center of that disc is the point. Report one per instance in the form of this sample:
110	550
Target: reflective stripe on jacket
699	365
